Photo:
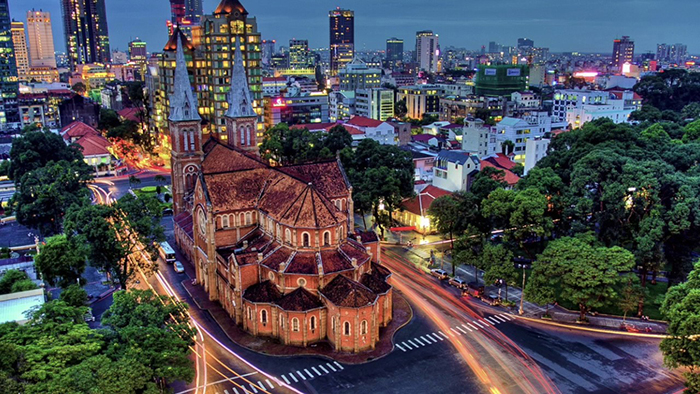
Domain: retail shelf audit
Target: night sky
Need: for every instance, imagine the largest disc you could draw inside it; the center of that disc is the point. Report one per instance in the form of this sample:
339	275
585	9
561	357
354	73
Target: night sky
561	25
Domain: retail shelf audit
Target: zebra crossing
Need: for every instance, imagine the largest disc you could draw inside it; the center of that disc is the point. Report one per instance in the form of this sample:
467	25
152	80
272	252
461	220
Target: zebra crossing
296	376
465	328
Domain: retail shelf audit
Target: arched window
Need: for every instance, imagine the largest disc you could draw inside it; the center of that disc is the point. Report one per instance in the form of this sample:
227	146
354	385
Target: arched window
282	322
263	317
326	238
295	324
346	328
242	131
288	236
312	323
333	324
248	218
225	222
341	236
241	219
185	135
363	327
250	314
270	226
192	140
278	231
305	240
339	205
250	135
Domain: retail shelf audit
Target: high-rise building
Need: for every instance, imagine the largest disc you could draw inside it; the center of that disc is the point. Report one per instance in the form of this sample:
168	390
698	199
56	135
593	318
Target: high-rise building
494	47
299	54
193	11
19	41
678	53
85	28
662	52
342	38
525	43
427	51
40	34
9	86
623	51
177	12
137	51
394	51
268	49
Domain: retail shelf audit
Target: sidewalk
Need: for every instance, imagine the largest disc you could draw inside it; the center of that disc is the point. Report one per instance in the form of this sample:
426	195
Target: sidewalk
420	256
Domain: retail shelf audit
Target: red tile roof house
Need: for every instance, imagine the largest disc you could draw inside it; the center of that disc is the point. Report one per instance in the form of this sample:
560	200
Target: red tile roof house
414	211
95	148
503	163
382	132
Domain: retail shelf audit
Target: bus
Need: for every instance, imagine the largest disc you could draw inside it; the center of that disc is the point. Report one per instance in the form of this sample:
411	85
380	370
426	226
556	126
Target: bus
167	253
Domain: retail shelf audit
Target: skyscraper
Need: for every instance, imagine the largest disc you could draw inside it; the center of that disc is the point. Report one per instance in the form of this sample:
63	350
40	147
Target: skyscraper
427	51
394	51
525	43
40	34
342	38
623	51
137	51
9	86
193	11
19	41
299	55
85	28
268	49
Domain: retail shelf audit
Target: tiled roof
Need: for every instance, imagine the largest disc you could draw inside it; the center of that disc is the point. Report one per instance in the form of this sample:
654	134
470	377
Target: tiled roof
503	161
510	178
362	121
309	210
314	126
231	191
77	129
184	221
422	137
459	157
419	204
375	282
381	270
278	257
299	300
171	45
334	262
452	126
326	177
130	114
303	263
222	158
367	236
354	249
354	130
344	292
93	145
229	6
262	292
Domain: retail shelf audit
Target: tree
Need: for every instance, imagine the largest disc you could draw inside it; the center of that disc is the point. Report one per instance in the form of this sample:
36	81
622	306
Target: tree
160	179
400	108
647	113
74	295
507	147
35	149
61	261
112	233
444	213
134	181
691	132
44	195
498	261
691	111
79	88
631	297
109	119
680	348
15	280
518	169
586	274
486	181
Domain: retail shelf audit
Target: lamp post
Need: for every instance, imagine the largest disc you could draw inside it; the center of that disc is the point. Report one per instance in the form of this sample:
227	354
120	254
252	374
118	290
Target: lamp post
524	264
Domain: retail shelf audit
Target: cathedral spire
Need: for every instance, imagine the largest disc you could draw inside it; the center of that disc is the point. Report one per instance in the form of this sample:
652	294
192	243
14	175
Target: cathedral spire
183	102
239	100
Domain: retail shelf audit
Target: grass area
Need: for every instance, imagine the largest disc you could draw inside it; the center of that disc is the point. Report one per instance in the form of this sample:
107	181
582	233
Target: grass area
150	191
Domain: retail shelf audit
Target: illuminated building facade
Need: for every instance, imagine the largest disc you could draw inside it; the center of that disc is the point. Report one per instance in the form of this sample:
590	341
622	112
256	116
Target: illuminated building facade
427	51
19	41
501	80
40	34
623	51
394	52
299	109
86	34
420	100
137	51
342	39
9	85
299	55
357	75
94	77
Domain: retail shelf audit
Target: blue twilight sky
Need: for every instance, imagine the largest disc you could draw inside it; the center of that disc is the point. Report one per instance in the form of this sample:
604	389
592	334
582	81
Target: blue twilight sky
561	25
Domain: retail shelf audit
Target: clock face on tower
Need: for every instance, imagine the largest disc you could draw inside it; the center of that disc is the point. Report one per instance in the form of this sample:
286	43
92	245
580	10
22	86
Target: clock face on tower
202	221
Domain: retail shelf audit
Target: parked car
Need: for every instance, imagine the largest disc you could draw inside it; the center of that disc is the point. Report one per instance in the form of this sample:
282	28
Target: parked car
475	289
440	274
178	267
89	316
492	300
458	282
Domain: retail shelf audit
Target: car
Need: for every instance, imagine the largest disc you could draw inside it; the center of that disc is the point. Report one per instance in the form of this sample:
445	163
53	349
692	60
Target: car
458	282
492	300
89	316
440	274
179	268
475	289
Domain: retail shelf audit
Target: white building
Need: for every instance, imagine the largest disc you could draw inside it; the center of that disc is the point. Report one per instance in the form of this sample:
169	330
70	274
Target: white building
577	107
454	170
535	150
341	105
519	130
525	100
427	51
374	103
479	139
357	75
382	132
272	86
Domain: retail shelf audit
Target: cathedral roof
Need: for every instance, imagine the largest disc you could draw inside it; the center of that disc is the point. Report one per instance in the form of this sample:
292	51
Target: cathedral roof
230	6
328	177
219	158
344	292
239	98
174	38
299	300
262	292
183	102
311	210
375	281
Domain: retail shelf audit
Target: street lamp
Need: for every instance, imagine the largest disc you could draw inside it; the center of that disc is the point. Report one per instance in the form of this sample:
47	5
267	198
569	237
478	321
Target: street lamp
520	262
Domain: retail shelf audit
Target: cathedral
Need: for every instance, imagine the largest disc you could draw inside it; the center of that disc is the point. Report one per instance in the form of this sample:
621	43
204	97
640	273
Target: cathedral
273	245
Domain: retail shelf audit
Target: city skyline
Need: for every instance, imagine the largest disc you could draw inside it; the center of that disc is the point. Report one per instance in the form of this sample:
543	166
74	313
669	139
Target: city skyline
647	23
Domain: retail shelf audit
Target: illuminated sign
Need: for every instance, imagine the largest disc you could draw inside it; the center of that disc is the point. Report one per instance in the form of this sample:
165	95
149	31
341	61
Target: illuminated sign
490	71
513	72
279	103
585	74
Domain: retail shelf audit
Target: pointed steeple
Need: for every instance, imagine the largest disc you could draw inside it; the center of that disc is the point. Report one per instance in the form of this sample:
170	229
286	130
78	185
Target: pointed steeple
239	98
183	102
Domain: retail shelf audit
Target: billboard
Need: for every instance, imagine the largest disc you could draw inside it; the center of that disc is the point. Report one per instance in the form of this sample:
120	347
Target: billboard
490	71
513	72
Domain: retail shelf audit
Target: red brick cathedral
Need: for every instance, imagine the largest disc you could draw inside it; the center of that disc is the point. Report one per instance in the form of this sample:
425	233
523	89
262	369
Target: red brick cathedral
272	244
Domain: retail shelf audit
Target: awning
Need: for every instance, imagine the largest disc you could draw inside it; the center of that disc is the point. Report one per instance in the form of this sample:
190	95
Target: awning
398	229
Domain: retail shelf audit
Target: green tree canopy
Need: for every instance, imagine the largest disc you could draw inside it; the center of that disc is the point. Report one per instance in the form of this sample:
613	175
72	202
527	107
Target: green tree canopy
61	261
13	281
35	149
285	145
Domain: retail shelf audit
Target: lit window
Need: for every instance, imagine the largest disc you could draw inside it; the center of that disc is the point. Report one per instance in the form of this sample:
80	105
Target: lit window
295	324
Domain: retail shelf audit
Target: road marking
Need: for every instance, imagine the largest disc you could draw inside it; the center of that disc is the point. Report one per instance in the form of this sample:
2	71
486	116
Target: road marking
261	385
291	375
407	346
252	386
330	366
486	319
433	336
454	330
443	334
269	383
419	341
316	370
285	379
339	366
225	392
467	327
500	318
307	371
507	316
399	346
301	374
234	390
431	339
460	329
472	327
409	341
495	318
477	323
324	370
245	391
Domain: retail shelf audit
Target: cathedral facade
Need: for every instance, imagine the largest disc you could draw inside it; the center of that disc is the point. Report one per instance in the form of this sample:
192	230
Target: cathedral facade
273	245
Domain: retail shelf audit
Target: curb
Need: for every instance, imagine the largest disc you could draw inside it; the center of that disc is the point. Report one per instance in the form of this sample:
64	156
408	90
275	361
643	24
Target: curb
599	330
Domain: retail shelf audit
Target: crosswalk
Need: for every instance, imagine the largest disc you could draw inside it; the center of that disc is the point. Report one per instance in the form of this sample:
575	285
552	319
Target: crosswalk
467	327
292	377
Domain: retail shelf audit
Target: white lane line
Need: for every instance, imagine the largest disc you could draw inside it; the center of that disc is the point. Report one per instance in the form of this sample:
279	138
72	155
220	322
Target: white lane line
339	366
291	375
457	332
443	334
409	341
426	340
310	374
285	379
460	329
500	318
469	329
407	346
245	391
234	390
269	383
316	370
477	323
301	375
324	370
506	316
486	319
330	366
429	339
472	326
252	386
434	335
419	341
399	346
225	392
493	319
